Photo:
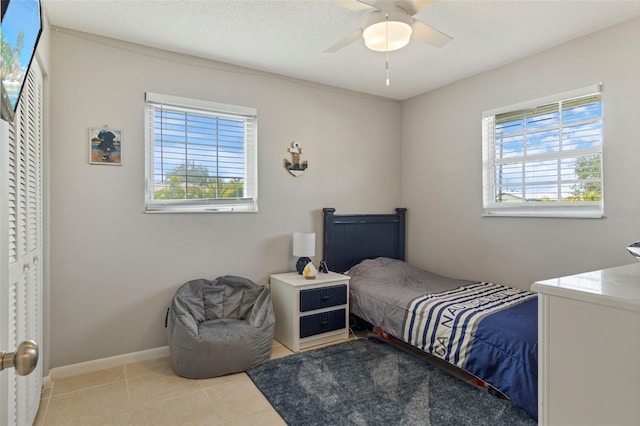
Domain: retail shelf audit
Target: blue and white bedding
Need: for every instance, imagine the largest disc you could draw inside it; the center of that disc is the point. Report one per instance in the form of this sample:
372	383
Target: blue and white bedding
487	329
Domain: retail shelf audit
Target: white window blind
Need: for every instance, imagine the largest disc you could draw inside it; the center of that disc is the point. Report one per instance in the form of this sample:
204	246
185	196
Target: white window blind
544	157
201	156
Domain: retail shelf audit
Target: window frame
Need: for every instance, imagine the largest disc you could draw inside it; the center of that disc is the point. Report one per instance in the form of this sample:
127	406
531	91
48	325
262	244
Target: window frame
557	209
246	204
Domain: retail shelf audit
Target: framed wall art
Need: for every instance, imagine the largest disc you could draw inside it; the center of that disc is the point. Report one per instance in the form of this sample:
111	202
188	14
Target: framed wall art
105	146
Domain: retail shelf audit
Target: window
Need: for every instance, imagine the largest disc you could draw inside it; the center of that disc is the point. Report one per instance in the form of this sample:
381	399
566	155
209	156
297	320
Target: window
201	156
544	157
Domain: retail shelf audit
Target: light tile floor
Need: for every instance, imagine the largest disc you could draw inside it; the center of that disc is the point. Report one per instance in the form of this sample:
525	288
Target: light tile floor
149	393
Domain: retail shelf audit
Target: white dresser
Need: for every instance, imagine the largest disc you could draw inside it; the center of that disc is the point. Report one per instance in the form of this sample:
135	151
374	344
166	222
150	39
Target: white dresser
589	348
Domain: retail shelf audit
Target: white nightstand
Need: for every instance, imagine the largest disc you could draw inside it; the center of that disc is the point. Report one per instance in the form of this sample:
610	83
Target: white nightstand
310	312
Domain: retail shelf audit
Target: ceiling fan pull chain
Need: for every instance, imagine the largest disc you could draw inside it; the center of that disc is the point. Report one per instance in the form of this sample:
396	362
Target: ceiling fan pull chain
386	44
387	68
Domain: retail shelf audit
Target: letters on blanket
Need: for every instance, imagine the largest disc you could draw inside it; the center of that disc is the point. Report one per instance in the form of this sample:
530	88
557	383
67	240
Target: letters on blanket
444	324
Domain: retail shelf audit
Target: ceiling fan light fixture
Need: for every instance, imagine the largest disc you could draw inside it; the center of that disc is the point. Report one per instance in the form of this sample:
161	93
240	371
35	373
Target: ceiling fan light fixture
383	34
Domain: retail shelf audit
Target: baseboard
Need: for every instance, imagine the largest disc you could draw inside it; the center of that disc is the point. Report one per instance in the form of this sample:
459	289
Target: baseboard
110	362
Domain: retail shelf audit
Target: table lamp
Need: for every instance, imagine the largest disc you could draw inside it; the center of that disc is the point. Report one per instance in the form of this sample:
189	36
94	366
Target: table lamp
304	246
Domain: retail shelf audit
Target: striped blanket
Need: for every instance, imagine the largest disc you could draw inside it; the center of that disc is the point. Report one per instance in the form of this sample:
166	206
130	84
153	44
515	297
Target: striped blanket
444	323
480	328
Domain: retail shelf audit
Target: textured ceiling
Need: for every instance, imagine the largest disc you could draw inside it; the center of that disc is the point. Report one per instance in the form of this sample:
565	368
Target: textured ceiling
288	37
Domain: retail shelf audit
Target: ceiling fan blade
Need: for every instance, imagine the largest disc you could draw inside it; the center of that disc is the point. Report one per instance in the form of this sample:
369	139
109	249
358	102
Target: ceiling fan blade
424	33
354	36
414	6
355	5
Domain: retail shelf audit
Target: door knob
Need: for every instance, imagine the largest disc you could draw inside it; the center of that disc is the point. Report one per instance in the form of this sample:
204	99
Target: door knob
24	359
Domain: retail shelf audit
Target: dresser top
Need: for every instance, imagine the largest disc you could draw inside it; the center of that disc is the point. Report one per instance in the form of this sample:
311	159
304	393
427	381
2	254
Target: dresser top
295	279
617	287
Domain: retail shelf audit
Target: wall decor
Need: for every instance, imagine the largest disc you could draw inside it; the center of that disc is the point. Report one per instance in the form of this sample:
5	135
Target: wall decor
105	146
295	167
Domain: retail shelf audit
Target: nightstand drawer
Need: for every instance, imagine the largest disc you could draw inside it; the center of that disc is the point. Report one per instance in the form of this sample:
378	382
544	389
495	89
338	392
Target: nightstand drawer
323	297
324	322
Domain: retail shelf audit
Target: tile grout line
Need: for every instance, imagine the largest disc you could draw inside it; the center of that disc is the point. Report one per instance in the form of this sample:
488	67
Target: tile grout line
46	409
87	388
126	379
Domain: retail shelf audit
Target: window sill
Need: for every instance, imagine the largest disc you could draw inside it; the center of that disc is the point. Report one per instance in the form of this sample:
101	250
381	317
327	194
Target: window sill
200	210
547	214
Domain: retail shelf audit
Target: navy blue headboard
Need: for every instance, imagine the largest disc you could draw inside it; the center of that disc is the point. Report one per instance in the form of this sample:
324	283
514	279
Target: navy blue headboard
349	239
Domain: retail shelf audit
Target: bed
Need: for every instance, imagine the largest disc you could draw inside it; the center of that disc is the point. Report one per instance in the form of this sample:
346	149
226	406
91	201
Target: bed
486	329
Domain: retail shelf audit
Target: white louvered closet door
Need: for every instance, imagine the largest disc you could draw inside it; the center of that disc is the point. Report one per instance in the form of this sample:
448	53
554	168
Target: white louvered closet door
21	268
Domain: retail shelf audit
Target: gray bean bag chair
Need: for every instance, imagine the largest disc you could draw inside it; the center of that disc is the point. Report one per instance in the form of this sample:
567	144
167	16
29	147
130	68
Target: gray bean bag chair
219	327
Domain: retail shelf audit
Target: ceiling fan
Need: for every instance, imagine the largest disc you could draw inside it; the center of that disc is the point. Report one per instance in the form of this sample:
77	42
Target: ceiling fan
389	25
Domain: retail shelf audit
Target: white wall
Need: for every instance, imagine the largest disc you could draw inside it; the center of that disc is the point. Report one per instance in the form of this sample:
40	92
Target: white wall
114	268
442	174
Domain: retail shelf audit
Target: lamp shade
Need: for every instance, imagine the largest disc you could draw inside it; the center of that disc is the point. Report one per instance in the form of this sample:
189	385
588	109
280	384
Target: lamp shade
304	244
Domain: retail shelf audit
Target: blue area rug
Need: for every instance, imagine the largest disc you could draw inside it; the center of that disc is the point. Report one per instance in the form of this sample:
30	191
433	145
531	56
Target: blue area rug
368	382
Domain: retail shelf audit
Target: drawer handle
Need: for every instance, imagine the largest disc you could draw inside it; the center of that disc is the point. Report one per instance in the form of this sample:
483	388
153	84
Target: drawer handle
323	323
325	297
